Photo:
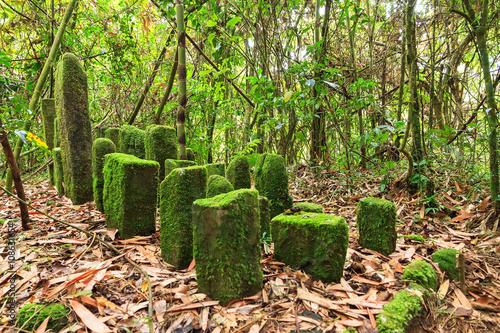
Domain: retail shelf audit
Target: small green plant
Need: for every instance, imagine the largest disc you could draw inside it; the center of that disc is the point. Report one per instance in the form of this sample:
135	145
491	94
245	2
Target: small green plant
266	242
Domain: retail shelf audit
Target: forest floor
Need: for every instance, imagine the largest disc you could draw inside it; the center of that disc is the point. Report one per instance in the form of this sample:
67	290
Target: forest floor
106	293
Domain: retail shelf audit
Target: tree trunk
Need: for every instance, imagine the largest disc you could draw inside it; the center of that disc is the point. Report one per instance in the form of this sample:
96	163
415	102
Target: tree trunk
181	110
168	89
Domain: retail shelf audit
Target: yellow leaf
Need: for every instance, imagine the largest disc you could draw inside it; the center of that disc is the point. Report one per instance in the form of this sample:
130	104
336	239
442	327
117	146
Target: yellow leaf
144	286
288	95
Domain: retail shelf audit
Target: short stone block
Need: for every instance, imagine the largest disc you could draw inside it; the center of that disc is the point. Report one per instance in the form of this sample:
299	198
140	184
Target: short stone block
177	193
265	220
130	194
227	245
113	133
422	273
397	314
160	144
174	164
271	180
216	169
376	220
100	148
218	185
191	156
74	128
48	116
309	207
58	170
132	141
447	260
316	243
238	173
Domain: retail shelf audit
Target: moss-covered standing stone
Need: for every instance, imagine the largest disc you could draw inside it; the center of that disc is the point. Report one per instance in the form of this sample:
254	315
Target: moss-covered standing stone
226	245
177	193
130	188
190	154
422	273
174	164
316	243
100	148
58	170
376	220
161	144
309	207
447	260
74	128
271	180
265	220
132	141
48	116
218	185
238	173
113	133
216	169
399	312
31	316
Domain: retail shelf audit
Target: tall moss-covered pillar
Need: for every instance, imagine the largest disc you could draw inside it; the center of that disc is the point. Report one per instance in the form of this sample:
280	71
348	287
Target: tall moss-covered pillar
74	128
177	193
226	245
58	170
160	144
238	173
113	133
100	149
48	116
132	141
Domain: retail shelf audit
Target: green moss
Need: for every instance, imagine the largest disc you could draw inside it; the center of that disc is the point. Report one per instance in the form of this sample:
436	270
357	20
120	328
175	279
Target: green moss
58	170
177	193
160	144
309	207
132	141
422	273
271	180
226	245
316	243
446	258
57	140
216	169
238	173
74	128
100	148
376	220
130	188
217	185
175	164
113	133
48	116
265	226
252	159
31	316
399	312
191	156
417	238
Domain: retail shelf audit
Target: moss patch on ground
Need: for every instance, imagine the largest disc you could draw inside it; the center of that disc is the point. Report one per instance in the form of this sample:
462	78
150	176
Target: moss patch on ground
447	258
309	207
422	273
218	185
31	316
399	312
376	220
160	144
100	148
226	245
316	243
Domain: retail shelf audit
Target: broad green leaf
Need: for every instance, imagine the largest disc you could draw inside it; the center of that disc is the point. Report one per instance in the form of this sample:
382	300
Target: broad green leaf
211	23
288	95
233	21
211	37
203	73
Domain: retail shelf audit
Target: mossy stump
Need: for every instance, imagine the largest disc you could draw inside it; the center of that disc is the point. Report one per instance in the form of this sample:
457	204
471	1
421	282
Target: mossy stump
100	148
191	156
113	133
238	173
218	185
177	193
48	116
309	207
265	226
130	194
271	180
216	169
447	260
376	220
316	243
160	144
175	164
132	141
58	170
226	245
74	128
31	316
397	314
422	273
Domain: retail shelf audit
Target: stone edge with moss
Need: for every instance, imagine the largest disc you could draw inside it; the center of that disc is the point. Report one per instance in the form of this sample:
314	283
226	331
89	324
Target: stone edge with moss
217	184
309	207
100	148
171	164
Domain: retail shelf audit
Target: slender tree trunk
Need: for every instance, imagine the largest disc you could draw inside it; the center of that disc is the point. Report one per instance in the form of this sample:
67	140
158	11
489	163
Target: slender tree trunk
210	132
181	110
402	74
41	82
168	89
